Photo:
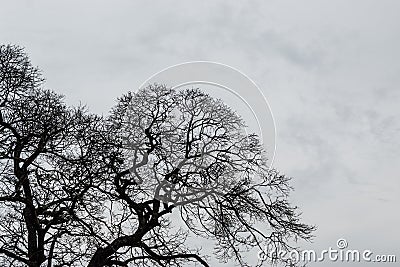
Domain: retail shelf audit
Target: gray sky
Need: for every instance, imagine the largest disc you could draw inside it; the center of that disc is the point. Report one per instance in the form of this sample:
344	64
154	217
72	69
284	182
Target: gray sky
330	71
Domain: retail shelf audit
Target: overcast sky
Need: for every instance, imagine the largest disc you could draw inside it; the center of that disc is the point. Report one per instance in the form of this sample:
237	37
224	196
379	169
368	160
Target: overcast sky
329	69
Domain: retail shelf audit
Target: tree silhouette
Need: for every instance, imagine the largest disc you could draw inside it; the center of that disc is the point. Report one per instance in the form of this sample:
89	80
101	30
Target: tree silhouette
51	160
166	167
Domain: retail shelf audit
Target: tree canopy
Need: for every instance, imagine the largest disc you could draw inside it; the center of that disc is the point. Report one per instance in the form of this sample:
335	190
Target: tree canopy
133	188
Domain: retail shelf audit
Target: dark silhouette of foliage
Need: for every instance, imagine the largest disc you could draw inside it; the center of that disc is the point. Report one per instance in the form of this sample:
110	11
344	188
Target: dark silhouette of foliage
134	188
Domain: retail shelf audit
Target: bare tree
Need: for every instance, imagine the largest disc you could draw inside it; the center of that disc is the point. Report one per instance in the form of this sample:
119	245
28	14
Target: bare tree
185	152
50	158
135	189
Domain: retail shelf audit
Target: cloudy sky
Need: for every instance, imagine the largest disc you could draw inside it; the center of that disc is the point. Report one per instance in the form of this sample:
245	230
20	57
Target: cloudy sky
329	69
